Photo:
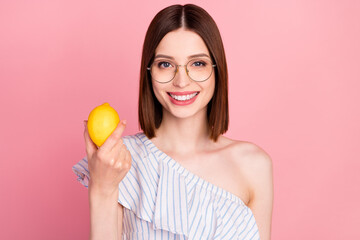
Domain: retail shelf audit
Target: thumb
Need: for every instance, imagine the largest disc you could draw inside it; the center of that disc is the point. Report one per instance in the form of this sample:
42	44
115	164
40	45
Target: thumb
91	147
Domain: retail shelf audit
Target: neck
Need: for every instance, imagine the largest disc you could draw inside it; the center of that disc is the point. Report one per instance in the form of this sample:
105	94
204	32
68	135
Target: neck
183	135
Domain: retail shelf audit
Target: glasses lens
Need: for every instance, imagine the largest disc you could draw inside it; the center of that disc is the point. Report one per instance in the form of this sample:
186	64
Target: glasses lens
163	71
199	69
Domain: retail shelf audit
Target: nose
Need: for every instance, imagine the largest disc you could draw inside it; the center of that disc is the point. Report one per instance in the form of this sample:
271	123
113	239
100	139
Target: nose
181	78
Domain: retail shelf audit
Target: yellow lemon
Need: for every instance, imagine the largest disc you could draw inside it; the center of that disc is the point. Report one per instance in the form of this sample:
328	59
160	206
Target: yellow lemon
102	122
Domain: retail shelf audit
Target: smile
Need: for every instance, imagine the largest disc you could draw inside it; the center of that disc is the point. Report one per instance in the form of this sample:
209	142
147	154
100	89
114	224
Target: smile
183	97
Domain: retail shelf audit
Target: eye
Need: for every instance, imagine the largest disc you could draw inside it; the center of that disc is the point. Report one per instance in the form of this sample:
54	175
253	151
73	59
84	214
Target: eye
199	64
163	64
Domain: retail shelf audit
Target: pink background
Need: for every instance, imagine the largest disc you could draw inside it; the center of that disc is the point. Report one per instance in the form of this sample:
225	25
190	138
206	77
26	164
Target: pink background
294	90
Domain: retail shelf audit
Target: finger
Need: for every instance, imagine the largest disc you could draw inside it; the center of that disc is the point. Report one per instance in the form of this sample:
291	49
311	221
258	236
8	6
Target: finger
123	160
89	144
128	157
119	150
120	144
121	157
115	136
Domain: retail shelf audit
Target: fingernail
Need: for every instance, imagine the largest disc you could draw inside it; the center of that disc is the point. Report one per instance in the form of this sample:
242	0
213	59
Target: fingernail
124	122
84	124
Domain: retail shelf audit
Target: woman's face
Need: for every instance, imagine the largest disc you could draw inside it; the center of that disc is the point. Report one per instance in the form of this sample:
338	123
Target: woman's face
177	96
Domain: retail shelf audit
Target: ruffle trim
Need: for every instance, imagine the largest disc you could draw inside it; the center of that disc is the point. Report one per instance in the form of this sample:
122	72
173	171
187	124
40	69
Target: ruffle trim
82	172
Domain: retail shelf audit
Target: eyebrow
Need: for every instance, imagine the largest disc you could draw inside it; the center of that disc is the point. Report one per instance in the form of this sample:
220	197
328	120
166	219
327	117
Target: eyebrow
191	56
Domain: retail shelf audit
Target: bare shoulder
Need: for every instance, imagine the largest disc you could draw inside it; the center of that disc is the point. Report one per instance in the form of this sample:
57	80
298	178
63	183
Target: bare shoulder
255	165
252	162
248	155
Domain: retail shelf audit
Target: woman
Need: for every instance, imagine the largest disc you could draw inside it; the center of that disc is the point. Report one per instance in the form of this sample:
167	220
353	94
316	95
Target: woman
179	178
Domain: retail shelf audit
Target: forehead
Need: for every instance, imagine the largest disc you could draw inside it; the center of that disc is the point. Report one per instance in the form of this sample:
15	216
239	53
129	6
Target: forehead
181	43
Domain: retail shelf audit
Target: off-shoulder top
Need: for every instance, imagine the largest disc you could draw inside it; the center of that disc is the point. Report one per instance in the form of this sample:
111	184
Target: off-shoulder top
163	200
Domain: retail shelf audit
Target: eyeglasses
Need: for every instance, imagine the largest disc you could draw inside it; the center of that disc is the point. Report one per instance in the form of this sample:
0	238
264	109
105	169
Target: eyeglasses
199	70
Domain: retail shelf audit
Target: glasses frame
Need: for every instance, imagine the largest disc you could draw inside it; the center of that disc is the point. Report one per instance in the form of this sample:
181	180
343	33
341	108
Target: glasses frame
187	71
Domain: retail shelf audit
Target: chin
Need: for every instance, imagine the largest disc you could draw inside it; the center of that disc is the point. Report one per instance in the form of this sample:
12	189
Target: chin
184	113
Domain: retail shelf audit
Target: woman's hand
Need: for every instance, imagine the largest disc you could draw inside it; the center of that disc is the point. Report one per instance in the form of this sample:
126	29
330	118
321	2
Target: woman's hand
109	163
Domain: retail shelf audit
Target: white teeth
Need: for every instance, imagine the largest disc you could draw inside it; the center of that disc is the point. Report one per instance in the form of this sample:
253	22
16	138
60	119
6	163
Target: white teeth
183	97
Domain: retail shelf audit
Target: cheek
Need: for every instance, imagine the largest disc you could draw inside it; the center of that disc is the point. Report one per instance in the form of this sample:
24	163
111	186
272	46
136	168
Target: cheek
157	90
211	87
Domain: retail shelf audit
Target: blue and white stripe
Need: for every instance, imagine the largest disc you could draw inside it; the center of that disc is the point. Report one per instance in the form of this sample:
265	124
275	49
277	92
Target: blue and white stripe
163	200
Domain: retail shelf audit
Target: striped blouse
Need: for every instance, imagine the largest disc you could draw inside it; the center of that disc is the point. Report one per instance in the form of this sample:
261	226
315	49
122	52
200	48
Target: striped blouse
163	200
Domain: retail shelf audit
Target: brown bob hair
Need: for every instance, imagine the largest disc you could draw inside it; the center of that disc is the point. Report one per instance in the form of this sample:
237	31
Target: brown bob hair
196	19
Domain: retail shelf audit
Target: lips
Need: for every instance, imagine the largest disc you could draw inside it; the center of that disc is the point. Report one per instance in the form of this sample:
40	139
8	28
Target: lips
183	98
